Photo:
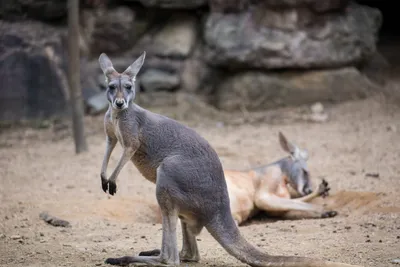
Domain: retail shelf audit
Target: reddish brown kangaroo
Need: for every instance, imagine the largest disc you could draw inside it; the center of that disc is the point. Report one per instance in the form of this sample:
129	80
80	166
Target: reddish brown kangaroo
275	188
190	182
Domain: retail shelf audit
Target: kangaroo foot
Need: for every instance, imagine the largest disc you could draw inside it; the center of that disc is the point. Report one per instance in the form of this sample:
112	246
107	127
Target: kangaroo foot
323	189
185	256
329	214
154	252
148	260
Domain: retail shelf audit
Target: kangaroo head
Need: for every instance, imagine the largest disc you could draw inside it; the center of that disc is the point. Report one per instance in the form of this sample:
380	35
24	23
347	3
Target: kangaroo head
120	86
298	174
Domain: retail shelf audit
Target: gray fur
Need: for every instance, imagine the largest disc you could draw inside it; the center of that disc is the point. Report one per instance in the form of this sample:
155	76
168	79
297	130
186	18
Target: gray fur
294	166
189	180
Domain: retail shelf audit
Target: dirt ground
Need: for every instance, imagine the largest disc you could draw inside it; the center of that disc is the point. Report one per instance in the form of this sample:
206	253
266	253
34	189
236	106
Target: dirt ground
40	172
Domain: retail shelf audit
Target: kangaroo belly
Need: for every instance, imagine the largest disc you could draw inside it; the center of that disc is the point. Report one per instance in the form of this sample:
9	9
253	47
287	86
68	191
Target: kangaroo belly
145	166
241	195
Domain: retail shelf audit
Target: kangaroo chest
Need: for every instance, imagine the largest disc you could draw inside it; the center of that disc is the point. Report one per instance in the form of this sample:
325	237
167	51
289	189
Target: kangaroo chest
117	131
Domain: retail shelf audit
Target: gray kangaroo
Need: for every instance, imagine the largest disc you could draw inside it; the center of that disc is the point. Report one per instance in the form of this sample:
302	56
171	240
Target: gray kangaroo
190	183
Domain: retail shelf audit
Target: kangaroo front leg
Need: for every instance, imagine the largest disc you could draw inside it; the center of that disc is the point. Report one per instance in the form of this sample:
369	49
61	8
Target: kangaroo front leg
110	145
322	190
127	154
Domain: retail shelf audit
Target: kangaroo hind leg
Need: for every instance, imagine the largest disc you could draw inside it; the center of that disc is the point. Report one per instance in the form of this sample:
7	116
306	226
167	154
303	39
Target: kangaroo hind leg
190	252
169	255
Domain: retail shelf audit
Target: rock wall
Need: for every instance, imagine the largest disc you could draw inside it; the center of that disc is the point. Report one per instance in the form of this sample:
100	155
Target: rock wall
254	54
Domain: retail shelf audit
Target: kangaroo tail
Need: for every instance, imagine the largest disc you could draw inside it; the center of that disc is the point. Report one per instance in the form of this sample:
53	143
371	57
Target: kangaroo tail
223	228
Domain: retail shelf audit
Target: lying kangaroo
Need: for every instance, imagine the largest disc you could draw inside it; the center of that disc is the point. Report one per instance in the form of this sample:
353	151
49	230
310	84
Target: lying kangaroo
270	188
188	174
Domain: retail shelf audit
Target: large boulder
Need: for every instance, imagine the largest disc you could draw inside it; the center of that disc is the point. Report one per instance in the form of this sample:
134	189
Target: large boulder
173	4
32	71
228	6
176	37
109	30
47	10
318	6
271	38
256	90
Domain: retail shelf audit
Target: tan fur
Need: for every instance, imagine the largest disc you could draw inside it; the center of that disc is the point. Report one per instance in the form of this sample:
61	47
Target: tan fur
246	188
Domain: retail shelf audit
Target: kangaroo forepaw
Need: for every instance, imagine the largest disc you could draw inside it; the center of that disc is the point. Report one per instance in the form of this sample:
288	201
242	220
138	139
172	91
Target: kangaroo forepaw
108	184
323	189
112	187
154	252
329	214
104	183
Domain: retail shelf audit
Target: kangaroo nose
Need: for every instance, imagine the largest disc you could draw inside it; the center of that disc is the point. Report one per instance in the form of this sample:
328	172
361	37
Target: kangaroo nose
119	103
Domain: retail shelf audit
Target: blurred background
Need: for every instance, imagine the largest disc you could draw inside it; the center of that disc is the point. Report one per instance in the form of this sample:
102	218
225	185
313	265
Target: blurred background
233	55
324	72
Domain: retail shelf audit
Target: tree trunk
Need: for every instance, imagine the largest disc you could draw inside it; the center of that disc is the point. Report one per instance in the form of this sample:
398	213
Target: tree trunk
74	77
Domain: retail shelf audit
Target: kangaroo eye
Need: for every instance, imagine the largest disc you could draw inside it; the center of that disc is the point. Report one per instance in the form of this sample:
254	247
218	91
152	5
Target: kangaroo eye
111	87
128	87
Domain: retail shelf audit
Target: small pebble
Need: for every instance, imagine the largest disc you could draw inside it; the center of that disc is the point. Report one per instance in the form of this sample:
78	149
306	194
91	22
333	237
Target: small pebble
317	108
396	261
15	237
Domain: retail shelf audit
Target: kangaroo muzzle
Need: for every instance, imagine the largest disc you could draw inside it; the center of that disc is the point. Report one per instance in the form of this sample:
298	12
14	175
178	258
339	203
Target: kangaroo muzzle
119	103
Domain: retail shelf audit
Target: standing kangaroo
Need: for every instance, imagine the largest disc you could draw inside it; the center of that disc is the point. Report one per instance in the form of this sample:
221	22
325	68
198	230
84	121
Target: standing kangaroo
270	188
188	174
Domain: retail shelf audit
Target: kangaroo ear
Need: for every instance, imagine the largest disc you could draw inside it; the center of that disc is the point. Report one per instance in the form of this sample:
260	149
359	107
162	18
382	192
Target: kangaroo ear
286	145
106	66
134	69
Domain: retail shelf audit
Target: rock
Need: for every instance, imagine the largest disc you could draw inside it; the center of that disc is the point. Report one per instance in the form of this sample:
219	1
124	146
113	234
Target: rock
97	103
395	261
228	6
250	40
256	90
110	30
54	221
195	74
157	80
376	68
15	237
174	4
177	38
317	108
47	10
32	71
315	5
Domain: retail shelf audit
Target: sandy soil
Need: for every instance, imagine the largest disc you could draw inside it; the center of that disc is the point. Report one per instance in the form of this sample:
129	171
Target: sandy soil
40	172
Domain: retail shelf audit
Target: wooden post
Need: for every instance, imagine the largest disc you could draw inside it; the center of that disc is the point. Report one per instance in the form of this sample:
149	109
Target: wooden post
74	77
